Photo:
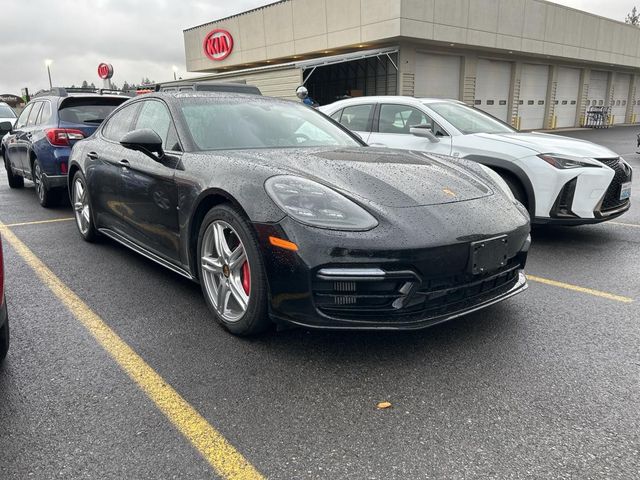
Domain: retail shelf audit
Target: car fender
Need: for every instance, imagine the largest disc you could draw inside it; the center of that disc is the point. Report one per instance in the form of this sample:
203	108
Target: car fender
513	169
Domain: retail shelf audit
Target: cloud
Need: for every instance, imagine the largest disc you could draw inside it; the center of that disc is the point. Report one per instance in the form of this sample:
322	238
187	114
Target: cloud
139	38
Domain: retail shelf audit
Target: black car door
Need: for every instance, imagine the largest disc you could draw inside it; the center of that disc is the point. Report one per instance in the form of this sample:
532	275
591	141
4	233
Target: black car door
149	193
15	144
103	167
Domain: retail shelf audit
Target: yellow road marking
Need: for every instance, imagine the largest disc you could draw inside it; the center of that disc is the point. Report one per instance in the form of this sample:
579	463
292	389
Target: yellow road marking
575	288
38	222
634	225
221	455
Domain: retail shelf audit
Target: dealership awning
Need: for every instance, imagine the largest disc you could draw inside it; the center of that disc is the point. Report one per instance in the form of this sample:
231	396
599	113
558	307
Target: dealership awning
346	57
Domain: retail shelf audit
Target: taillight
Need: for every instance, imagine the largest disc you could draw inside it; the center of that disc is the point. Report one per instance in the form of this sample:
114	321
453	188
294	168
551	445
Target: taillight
60	137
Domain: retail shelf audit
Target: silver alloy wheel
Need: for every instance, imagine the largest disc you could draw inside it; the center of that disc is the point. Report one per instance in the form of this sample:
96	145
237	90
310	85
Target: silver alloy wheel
81	206
225	271
37	180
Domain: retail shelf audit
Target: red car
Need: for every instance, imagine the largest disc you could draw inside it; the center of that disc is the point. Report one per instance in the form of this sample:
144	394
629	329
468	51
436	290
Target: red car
4	319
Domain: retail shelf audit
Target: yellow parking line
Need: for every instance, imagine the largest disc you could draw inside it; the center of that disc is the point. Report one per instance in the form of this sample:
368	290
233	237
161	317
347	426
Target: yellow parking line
38	222
575	288
221	455
634	225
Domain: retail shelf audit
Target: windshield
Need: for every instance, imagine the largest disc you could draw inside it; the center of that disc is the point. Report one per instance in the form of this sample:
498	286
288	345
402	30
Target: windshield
240	123
469	120
6	112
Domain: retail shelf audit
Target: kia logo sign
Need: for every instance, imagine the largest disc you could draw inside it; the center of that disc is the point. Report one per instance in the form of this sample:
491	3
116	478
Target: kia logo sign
105	70
218	44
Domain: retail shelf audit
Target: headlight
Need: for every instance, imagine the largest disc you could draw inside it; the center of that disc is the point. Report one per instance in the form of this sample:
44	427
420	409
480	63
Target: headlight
499	181
314	204
565	161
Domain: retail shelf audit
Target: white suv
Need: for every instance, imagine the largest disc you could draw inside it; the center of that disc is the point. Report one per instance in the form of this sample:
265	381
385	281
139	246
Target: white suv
559	179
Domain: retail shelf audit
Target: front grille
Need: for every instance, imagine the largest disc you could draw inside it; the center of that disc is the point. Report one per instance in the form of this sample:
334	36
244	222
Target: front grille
409	299
611	199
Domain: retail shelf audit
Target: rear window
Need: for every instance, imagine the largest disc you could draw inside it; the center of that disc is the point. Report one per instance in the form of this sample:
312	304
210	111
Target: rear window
6	112
88	111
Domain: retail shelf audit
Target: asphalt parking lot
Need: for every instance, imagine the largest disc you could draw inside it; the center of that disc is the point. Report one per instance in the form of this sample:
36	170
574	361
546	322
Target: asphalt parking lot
544	385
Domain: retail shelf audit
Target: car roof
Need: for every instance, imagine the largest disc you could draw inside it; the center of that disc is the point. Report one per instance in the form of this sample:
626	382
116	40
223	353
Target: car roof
390	99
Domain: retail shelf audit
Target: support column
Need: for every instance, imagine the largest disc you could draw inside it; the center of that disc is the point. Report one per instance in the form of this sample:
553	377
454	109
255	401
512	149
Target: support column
469	73
583	94
550	107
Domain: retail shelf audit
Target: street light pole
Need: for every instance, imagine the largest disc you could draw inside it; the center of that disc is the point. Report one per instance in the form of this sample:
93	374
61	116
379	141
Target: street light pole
48	64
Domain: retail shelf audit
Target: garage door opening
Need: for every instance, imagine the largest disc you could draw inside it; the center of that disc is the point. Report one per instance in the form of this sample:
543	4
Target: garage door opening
333	80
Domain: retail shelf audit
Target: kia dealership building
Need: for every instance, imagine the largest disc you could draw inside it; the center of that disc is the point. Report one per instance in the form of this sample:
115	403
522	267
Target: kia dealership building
532	63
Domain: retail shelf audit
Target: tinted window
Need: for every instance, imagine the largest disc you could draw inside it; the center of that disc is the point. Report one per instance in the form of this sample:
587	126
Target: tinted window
356	117
120	123
156	116
400	119
45	114
88	110
6	112
22	119
235	123
34	114
469	120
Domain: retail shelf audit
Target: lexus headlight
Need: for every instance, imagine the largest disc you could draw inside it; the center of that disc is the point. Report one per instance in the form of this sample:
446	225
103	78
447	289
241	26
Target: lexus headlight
499	181
564	162
314	204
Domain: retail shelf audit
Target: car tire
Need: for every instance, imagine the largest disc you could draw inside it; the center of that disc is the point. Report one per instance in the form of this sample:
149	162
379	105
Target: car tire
81	204
4	340
227	282
15	181
46	196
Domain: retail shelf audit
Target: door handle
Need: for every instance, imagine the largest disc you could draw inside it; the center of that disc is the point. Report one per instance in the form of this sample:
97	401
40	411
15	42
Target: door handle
124	163
92	155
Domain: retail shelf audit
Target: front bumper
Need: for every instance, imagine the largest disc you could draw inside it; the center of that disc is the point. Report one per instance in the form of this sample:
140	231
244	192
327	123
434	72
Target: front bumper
584	196
366	287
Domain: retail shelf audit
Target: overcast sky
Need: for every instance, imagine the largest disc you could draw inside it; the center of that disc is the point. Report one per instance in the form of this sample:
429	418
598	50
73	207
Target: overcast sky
139	38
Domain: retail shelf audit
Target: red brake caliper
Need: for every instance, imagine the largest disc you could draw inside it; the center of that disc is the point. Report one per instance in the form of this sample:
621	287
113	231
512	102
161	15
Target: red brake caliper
246	278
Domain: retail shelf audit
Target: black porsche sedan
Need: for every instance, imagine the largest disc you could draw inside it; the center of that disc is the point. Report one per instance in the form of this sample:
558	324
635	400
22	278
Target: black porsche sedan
284	216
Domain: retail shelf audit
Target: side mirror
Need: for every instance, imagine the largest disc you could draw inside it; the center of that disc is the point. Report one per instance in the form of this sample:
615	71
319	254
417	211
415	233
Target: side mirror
424	131
144	140
5	127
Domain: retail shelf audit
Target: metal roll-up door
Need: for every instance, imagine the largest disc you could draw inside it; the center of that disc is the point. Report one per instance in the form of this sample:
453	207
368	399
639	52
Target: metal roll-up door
493	83
566	103
621	83
437	76
533	95
597	96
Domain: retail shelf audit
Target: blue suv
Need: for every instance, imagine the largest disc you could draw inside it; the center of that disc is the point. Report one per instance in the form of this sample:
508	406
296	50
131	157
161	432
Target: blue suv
39	143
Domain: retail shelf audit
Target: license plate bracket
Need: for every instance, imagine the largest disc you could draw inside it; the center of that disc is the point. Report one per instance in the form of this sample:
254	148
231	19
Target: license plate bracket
625	191
488	255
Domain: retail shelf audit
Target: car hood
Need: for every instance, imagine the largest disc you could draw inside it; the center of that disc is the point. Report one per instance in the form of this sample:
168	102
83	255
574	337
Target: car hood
393	178
547	143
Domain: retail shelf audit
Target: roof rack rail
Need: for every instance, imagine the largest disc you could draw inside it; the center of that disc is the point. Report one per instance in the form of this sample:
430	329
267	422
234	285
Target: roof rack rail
65	91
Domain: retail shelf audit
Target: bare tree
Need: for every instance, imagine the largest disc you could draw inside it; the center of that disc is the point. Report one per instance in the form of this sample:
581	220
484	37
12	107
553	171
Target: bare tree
633	18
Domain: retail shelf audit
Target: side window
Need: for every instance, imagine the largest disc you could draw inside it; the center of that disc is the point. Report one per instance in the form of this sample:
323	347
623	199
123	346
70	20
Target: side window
155	115
45	114
400	118
120	123
22	119
336	115
34	114
356	117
